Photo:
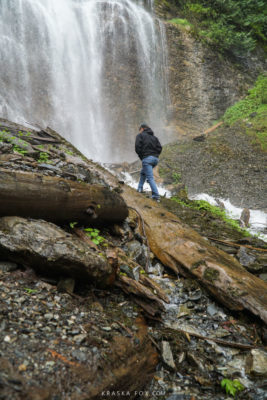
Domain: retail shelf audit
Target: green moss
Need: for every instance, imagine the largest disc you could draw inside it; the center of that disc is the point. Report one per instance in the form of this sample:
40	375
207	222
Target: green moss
255	101
43	158
216	211
176	177
252	112
211	274
181	22
197	264
19	145
236	292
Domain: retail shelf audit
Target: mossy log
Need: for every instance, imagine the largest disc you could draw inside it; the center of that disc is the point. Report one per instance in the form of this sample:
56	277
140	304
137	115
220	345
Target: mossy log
28	194
184	251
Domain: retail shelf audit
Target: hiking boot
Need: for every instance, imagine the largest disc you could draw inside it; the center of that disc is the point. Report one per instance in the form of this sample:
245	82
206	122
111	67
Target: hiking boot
157	200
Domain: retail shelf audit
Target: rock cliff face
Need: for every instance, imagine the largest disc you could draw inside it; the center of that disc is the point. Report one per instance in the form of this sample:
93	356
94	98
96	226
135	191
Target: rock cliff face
203	83
225	165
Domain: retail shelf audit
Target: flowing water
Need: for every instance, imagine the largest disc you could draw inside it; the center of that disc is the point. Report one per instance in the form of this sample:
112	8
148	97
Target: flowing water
257	220
91	69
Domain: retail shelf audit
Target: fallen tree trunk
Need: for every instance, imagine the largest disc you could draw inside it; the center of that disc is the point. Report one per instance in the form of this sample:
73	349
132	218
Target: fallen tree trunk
34	195
184	251
51	251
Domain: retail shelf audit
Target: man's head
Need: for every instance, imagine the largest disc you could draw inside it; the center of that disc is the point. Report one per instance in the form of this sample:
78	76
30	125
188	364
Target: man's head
143	127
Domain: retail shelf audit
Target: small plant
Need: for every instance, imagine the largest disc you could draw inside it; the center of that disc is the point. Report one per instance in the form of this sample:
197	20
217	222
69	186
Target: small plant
43	157
142	271
72	224
232	387
4	136
94	235
176	177
30	291
19	150
19	145
69	152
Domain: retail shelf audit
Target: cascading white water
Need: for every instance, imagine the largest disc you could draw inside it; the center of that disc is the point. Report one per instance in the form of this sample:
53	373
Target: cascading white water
91	69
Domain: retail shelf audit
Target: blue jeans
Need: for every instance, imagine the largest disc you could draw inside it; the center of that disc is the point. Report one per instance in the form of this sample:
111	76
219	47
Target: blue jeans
148	163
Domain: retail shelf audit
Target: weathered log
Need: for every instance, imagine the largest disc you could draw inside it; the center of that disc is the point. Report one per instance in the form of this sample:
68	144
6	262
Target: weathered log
142	295
51	251
184	251
213	128
55	199
222	342
143	279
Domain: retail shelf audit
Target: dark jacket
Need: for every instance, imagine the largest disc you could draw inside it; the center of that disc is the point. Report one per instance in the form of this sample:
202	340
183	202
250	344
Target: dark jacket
146	144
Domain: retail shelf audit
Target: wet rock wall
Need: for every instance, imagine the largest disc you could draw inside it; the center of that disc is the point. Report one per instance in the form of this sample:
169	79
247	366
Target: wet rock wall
202	82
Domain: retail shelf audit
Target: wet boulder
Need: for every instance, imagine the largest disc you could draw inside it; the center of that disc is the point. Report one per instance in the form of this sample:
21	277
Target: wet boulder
167	356
51	251
245	259
137	252
257	362
6	266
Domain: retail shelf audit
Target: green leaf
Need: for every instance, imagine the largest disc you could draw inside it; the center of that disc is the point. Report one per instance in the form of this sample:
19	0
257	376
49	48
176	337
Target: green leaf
72	224
95	241
238	385
94	234
232	387
30	291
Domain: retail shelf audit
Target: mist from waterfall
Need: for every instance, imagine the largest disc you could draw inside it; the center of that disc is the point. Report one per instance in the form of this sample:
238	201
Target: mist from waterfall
90	69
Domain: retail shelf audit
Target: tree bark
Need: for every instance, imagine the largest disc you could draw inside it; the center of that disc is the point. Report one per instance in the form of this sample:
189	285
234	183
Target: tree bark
183	250
34	195
51	251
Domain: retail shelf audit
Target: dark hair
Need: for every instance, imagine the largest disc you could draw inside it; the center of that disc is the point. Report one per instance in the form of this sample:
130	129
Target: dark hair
144	126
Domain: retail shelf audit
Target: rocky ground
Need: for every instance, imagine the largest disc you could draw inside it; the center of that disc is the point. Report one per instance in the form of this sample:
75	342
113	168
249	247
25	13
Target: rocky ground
226	164
73	340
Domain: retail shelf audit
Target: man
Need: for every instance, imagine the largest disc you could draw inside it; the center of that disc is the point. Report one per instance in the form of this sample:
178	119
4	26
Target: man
148	148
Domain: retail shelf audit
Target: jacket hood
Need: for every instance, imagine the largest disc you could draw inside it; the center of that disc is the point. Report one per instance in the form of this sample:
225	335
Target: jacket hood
149	131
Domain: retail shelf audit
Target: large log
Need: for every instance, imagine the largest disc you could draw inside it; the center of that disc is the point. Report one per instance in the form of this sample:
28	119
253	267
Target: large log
183	250
34	195
51	251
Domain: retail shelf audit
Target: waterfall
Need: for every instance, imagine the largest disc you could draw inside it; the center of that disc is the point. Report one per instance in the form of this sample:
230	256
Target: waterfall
90	69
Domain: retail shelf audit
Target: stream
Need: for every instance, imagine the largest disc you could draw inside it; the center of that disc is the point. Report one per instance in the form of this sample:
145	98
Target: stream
257	221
